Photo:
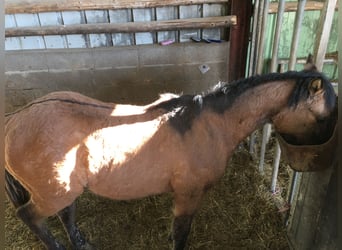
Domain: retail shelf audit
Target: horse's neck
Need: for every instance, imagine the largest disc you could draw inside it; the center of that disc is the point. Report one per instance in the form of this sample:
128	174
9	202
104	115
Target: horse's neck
255	107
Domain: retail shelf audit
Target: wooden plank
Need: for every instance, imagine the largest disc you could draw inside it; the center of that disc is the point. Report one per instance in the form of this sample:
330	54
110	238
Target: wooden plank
36	6
306	213
179	24
292	6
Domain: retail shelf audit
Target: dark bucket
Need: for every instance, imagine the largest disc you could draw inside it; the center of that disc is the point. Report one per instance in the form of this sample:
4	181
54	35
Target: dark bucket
305	158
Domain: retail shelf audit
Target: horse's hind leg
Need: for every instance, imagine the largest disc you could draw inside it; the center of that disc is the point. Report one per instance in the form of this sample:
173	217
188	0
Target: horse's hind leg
27	213
67	216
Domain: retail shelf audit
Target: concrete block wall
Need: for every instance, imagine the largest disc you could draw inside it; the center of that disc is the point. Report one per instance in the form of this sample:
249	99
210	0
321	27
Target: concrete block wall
132	74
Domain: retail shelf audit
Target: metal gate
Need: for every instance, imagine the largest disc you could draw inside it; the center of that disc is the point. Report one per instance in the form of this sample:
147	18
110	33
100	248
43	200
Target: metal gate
305	200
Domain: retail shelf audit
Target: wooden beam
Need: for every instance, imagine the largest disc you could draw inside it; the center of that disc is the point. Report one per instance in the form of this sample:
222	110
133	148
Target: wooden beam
37	6
292	6
130	27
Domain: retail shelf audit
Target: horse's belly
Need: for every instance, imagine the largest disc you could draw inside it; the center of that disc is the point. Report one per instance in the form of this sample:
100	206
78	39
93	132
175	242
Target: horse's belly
130	182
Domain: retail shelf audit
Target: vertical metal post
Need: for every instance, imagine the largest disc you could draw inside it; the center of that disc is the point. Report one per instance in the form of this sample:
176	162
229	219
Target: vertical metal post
274	64
324	28
252	59
292	64
275	167
239	38
293	187
254	42
296	33
261	48
260	64
265	131
277	33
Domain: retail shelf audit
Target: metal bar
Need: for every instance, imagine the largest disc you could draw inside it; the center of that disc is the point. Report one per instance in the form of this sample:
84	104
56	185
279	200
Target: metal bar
254	42
323	32
294	183
275	167
252	62
296	33
277	32
260	64
292	64
261	48
267	127
239	38
265	132
327	59
274	65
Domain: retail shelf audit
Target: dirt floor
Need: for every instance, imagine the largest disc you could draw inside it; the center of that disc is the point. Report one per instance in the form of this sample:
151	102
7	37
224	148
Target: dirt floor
239	212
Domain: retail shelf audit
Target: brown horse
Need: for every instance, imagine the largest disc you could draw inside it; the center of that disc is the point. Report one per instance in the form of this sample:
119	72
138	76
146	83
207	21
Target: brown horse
64	142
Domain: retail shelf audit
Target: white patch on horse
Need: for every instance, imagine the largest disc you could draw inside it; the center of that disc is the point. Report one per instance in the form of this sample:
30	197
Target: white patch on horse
65	167
175	111
125	110
198	99
218	85
112	146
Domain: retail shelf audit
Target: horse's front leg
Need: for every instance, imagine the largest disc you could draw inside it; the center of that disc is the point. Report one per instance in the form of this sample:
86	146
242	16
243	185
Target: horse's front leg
185	206
180	230
67	217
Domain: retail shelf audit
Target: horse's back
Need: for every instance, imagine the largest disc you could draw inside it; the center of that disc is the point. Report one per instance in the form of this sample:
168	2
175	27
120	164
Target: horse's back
52	124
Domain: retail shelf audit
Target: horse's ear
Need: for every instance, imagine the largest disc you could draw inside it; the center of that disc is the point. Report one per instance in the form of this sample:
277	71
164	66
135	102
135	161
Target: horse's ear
315	86
310	66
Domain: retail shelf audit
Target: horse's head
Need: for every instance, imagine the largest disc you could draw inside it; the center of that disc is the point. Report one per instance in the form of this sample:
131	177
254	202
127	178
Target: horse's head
310	105
315	151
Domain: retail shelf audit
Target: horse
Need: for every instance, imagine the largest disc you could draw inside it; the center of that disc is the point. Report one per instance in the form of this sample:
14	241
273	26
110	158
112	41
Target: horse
63	143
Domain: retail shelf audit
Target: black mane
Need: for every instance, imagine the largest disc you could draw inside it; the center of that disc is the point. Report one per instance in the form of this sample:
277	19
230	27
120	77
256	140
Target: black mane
231	91
186	108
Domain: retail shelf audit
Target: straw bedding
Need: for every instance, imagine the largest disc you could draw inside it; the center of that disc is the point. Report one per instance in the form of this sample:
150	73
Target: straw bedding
239	212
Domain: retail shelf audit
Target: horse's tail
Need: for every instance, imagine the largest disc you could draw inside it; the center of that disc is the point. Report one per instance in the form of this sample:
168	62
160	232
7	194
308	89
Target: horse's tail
15	191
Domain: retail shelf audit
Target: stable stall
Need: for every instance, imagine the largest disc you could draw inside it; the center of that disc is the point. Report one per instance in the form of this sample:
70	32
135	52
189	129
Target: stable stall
130	52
